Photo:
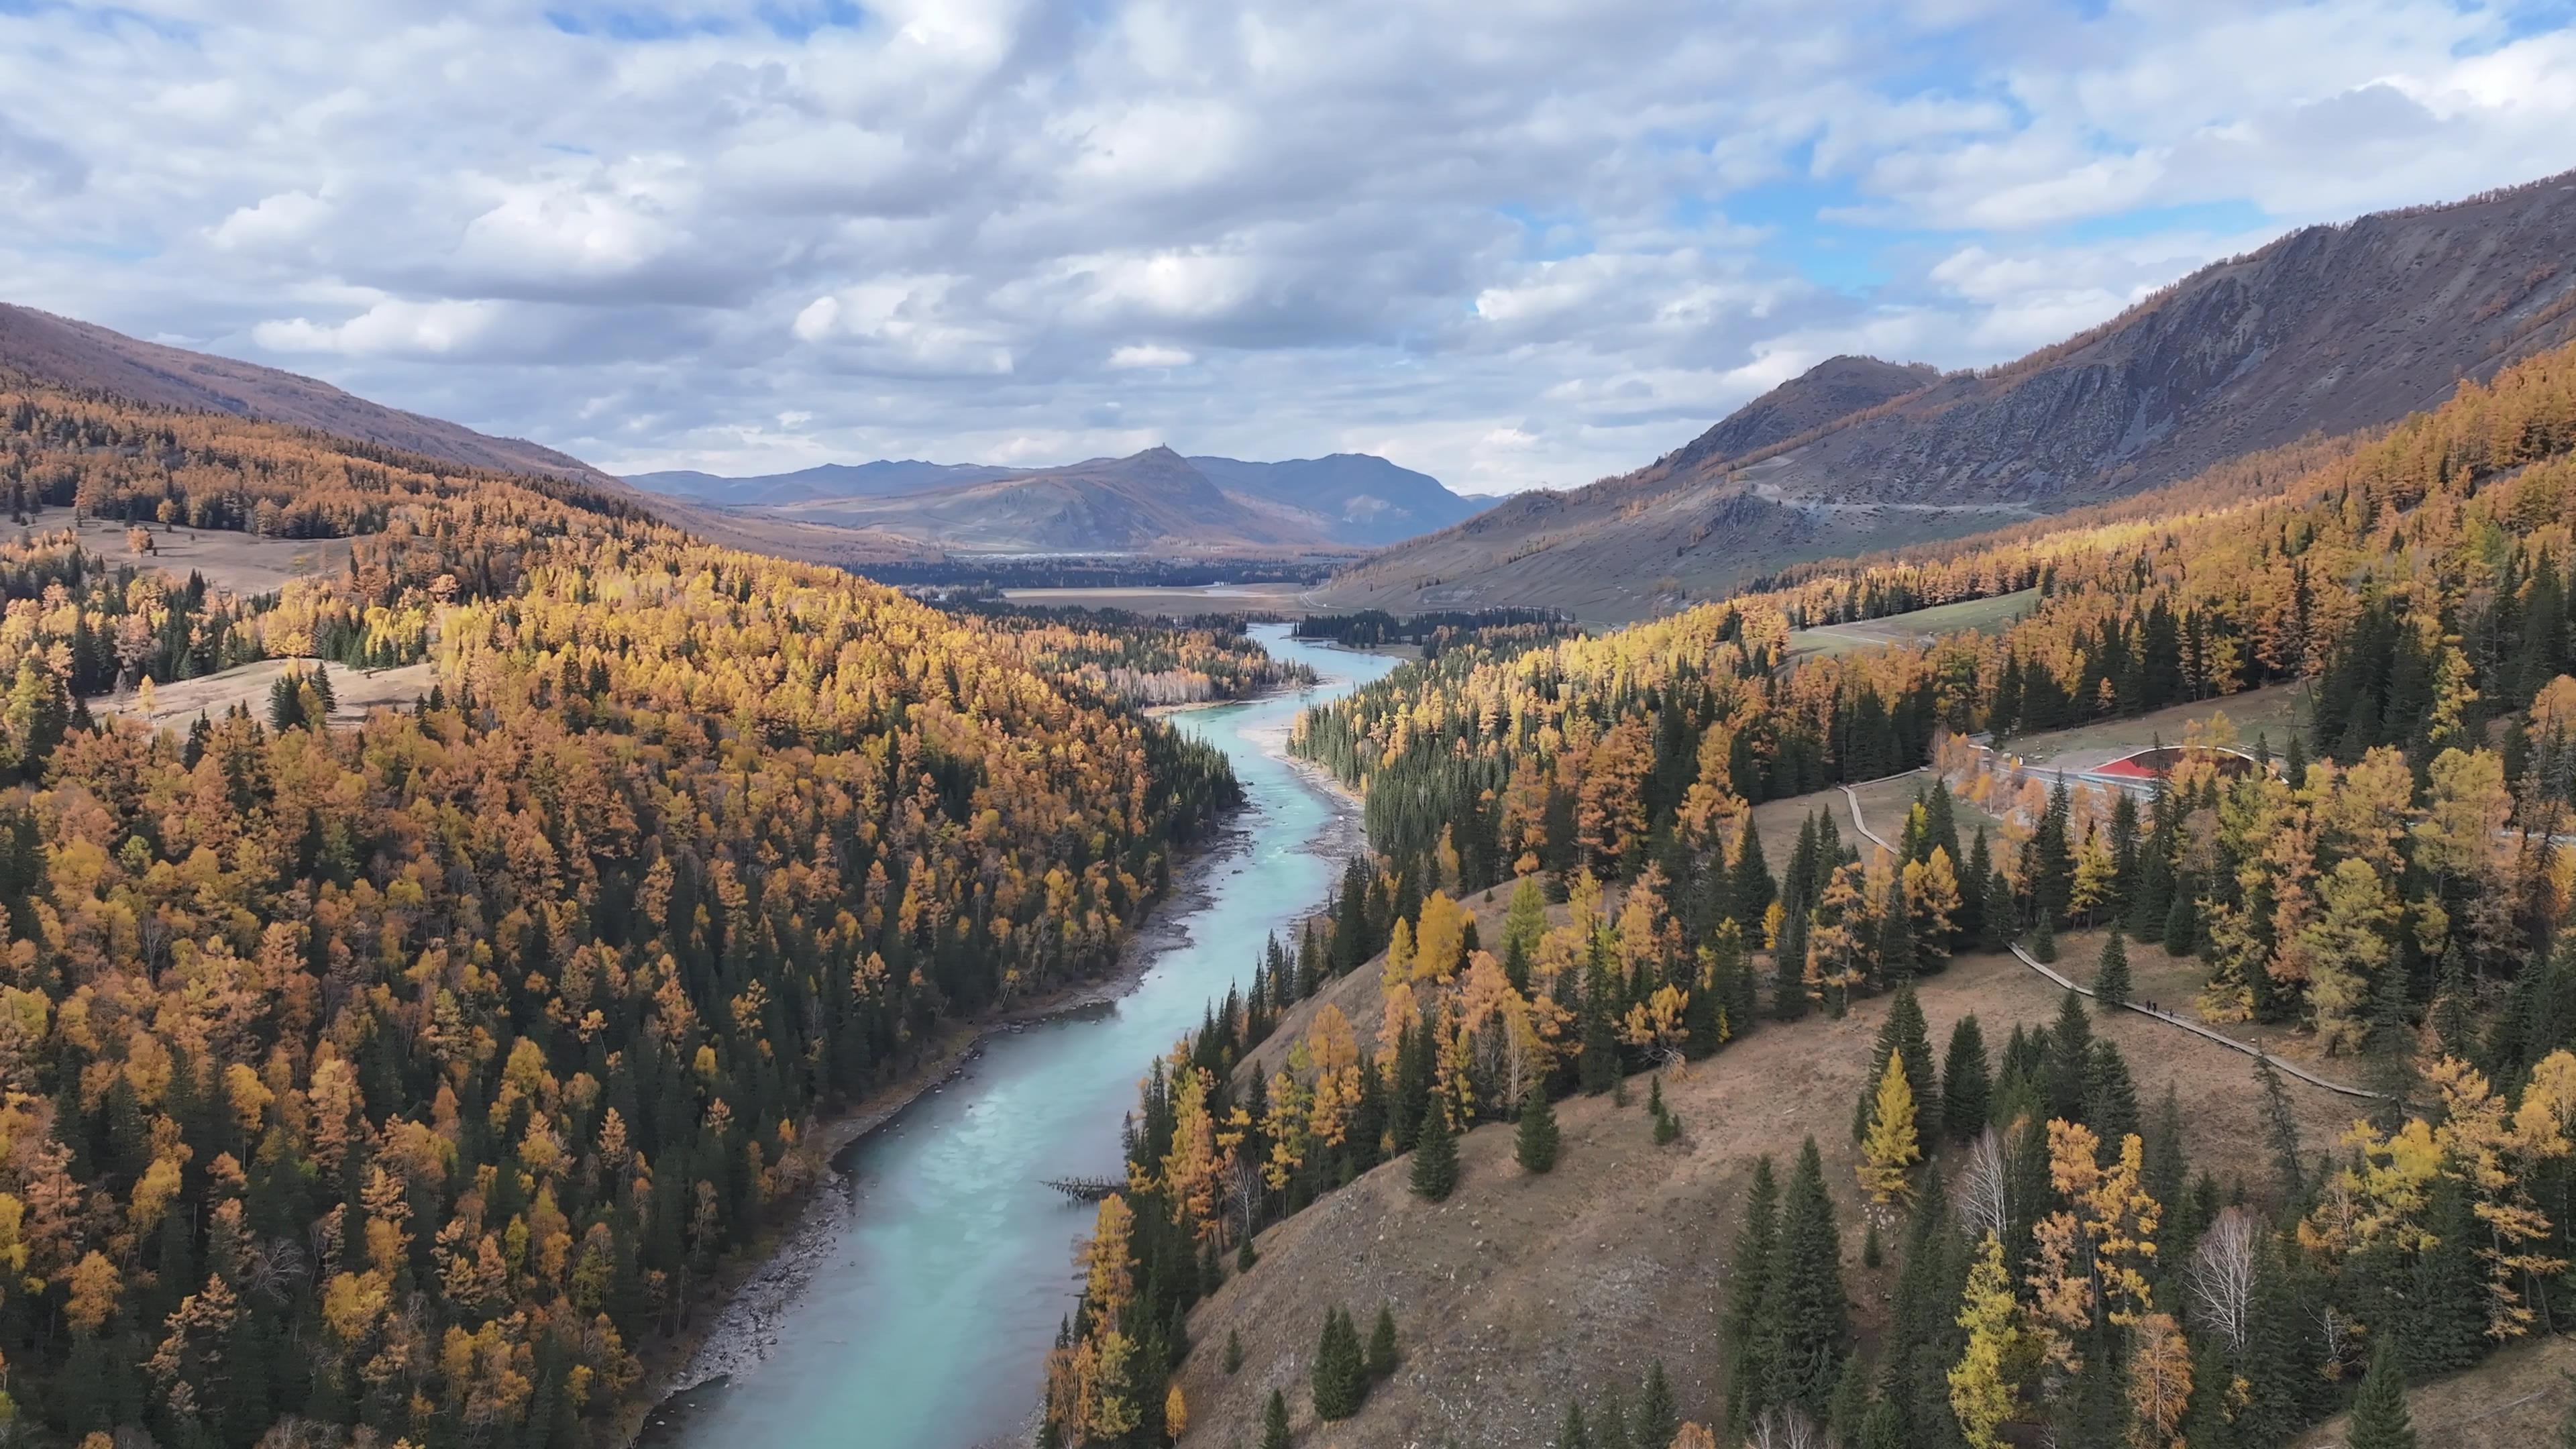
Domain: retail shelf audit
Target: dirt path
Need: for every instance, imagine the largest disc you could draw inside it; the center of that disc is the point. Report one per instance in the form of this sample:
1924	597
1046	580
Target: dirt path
2168	1018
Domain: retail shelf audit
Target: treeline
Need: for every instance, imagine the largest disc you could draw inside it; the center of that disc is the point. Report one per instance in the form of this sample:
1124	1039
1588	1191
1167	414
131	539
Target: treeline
400	1084
1141	658
1439	631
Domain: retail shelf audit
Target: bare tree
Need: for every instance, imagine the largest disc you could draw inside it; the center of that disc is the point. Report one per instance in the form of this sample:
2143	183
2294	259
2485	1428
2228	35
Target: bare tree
2220	1276
1984	1204
1243	1188
1788	1427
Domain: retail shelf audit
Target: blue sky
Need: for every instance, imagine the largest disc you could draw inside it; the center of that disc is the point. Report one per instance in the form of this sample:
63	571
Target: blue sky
1511	242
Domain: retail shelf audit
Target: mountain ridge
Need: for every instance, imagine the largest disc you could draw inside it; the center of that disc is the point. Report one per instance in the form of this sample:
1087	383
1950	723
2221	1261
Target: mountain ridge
2327	329
1340	500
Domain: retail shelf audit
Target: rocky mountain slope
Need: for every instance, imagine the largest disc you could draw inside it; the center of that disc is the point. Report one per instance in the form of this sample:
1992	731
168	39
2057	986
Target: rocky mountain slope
2327	330
1351	499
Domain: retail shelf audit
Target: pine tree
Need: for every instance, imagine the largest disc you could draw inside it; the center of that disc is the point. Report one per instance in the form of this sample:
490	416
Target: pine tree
1658	1420
2110	1098
1534	1142
1233	1351
1340	1377
1381	1344
1757	1242
1903	1036
1967	1084
1435	1156
1970	923
1807	1318
2069	1059
2379	1417
2111	978
1274	1421
2182	925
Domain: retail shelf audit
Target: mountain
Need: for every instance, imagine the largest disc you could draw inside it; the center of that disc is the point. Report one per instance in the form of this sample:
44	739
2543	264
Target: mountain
2327	330
1356	498
881	479
1352	500
1153	502
86	356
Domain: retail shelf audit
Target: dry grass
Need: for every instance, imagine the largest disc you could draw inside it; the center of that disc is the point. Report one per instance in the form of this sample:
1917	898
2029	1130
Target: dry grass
354	692
239	563
1986	616
1520	1290
2519	1399
2274	712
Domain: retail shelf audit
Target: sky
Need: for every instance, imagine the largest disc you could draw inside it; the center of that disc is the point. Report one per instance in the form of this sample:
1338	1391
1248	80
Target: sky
1511	243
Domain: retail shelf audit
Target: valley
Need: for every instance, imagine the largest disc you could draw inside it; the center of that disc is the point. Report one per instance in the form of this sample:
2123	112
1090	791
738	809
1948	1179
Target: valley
1172	951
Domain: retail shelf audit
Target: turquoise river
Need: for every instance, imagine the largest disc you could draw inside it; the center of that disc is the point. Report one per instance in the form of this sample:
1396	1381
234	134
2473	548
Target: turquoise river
927	1320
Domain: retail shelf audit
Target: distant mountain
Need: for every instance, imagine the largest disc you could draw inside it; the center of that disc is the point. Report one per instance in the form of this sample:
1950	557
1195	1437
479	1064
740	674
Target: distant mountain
84	355
830	480
1356	498
1153	502
1350	500
2327	330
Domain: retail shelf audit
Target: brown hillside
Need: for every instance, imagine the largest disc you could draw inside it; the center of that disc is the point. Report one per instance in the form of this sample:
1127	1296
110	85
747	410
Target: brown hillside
84	356
1520	1290
2327	330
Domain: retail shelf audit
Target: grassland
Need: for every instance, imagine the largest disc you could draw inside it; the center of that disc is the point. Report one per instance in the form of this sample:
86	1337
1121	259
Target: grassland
240	563
1986	616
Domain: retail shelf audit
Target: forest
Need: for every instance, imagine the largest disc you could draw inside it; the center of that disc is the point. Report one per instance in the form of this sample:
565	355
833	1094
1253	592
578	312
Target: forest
2396	885
407	1083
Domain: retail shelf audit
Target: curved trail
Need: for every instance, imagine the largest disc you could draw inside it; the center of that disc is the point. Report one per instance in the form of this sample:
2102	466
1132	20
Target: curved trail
2168	1018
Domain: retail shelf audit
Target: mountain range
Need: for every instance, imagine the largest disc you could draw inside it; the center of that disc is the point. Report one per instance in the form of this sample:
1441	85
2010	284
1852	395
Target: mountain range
2327	330
1153	500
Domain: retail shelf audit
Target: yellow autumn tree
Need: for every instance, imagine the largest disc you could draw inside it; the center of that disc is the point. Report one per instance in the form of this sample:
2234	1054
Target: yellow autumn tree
1891	1148
1980	1395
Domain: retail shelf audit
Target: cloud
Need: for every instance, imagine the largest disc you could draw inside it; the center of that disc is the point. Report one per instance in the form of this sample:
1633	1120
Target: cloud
391	329
1146	354
1510	244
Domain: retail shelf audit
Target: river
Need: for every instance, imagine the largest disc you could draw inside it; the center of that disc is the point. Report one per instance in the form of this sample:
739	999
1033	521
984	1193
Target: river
927	1324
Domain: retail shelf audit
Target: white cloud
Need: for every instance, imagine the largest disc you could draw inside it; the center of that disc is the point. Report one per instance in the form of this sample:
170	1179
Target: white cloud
1534	242
1146	354
390	329
289	216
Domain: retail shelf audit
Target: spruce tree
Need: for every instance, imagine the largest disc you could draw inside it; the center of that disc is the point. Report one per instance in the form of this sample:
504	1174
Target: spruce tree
1753	891
1435	1156
1903	1034
1970	922
2205	1423
1381	1344
1806	1317
2379	1417
1274	1421
1658	1420
1534	1142
2069	1059
2182	925
2043	941
1967	1084
1572	1434
1610	1426
1747	1290
2111	978
2110	1098
1340	1378
1233	1351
